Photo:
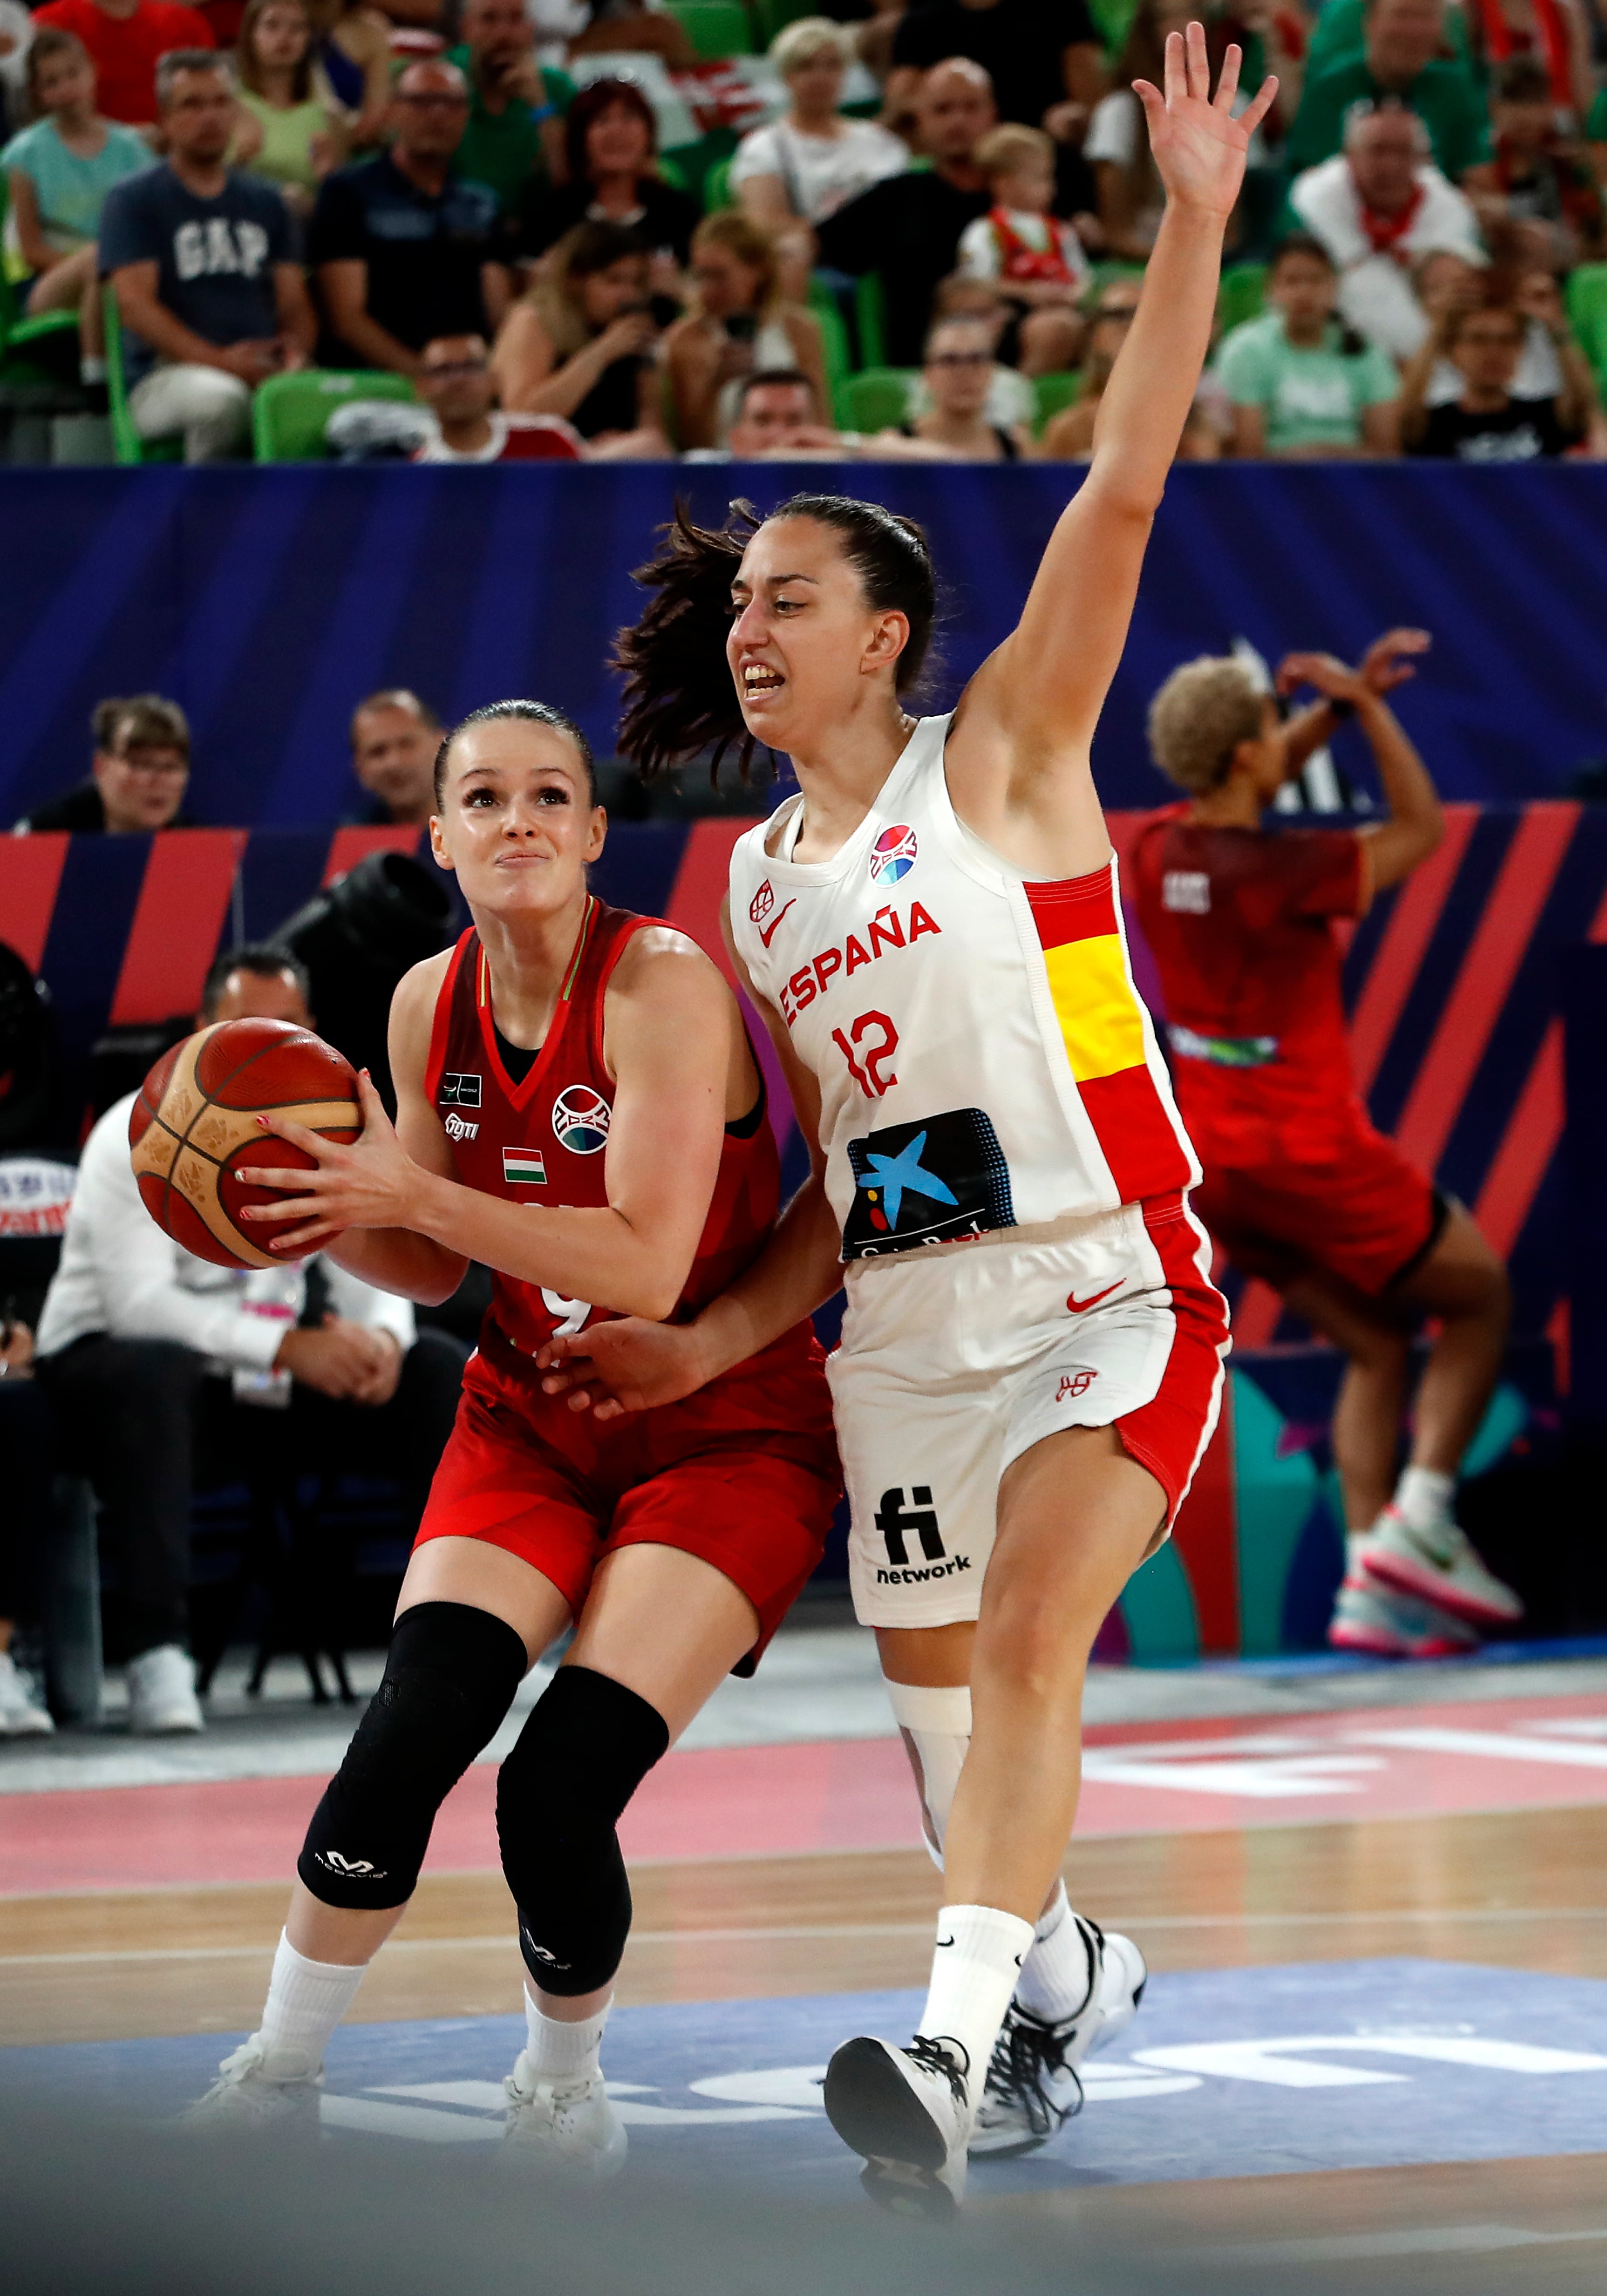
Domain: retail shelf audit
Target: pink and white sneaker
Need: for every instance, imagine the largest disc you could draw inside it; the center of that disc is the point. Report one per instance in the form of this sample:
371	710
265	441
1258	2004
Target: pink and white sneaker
1367	1617
1438	1566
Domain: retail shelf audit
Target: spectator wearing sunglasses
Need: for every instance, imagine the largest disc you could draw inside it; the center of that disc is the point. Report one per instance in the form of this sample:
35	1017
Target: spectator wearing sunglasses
958	374
405	249
454	382
138	773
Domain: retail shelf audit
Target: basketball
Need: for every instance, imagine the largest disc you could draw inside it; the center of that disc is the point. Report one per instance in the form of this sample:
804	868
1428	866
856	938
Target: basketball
195	1137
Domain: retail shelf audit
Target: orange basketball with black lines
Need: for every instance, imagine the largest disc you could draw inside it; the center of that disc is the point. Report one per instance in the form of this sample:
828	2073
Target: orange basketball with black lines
193	1135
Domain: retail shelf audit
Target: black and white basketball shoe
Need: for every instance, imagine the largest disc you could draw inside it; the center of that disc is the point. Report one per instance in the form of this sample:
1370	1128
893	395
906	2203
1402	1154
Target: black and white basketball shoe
1033	2087
908	2113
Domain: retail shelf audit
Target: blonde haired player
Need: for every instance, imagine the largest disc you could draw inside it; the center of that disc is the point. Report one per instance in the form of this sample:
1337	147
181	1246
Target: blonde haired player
1300	1188
1031	1358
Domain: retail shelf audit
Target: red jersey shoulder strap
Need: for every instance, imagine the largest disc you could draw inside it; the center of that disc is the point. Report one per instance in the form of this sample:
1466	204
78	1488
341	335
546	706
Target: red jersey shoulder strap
441	1023
615	927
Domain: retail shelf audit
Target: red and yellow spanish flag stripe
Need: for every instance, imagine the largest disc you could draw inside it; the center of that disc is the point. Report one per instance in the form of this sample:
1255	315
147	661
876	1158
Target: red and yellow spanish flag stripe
1102	1028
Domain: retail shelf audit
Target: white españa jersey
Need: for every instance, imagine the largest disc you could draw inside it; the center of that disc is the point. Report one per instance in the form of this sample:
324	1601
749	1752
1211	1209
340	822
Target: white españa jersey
984	1060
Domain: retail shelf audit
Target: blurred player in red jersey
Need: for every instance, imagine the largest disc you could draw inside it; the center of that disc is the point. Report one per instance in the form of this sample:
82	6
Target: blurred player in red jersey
579	1110
1299	1188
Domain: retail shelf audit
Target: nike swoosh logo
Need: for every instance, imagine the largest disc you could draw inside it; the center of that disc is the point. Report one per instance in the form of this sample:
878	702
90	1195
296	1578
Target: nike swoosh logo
943	1941
767	937
1081	1307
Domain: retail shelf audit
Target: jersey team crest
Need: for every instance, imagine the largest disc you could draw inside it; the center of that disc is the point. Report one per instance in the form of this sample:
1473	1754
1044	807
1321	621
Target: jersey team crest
893	855
580	1119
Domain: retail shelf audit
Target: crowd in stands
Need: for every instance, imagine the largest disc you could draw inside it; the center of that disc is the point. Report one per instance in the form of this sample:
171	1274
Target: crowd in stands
470	198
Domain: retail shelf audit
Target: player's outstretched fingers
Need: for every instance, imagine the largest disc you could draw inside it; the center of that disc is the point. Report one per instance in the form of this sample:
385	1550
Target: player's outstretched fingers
1227	86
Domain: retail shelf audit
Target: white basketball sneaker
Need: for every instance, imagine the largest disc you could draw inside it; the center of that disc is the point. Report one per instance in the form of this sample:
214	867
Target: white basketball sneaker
907	2112
22	1715
1033	2088
1369	1617
565	2129
260	2092
1438	1566
161	1692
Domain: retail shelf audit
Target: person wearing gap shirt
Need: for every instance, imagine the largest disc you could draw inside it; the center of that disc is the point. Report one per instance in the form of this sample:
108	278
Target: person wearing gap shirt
199	260
126	38
1299	1188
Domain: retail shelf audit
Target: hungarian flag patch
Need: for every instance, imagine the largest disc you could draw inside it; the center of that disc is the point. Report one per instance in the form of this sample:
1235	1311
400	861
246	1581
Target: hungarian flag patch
523	1168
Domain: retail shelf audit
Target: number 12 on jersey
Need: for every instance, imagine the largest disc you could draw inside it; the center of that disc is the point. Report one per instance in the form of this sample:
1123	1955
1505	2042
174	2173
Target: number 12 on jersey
868	1048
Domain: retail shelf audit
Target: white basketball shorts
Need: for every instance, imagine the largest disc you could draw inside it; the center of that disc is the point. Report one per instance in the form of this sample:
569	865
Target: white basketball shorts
957	1358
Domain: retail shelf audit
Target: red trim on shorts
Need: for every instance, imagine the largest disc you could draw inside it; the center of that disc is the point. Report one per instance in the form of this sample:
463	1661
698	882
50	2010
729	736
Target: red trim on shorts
1168	1435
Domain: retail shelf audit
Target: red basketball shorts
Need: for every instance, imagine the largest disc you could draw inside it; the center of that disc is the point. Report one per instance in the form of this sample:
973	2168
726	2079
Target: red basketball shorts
1364	1214
743	1474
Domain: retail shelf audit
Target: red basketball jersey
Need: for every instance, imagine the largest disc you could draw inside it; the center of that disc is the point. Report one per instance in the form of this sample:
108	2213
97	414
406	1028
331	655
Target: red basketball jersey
1241	922
544	1140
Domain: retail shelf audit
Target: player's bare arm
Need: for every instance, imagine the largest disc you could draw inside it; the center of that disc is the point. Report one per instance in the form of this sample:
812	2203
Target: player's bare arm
1391	849
635	1366
670	1033
1387	664
1018	758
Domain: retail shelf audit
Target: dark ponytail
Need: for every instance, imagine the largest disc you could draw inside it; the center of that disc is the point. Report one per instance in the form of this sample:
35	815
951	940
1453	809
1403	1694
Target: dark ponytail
680	698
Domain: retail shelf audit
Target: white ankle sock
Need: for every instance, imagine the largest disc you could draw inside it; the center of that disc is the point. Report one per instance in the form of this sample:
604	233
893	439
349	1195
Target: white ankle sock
307	2000
975	1969
1425	1497
560	2051
1057	1975
1354	1540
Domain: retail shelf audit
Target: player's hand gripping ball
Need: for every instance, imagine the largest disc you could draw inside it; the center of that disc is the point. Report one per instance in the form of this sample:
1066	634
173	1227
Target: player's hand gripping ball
195	1135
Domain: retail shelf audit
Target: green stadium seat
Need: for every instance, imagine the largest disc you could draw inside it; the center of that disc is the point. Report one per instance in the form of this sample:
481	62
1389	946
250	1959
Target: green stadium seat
869	319
26	345
1587	297
878	399
1052	393
1102	274
291	412
716	28
772	16
1113	20
126	444
1241	294
834	337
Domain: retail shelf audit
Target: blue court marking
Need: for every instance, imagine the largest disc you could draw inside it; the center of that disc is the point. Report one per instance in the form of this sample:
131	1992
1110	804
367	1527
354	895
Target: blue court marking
1224	2073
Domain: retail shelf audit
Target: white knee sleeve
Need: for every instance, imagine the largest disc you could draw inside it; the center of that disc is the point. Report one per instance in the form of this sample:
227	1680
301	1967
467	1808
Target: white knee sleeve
936	1725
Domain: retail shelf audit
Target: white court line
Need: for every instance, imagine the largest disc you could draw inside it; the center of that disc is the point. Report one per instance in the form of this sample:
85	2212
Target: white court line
1498	1745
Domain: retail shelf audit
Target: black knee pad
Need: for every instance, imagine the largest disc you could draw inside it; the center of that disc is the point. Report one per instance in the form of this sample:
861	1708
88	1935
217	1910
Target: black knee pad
587	1746
449	1679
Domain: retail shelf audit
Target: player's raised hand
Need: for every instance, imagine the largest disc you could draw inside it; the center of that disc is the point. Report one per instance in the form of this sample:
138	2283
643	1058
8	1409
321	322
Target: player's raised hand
624	1365
1387	661
1333	679
1199	146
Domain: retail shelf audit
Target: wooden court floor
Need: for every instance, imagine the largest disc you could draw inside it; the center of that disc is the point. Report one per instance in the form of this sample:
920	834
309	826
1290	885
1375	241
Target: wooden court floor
1525	1889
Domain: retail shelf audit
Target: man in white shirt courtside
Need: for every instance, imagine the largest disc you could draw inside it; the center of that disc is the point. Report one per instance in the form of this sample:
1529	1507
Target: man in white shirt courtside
161	1366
